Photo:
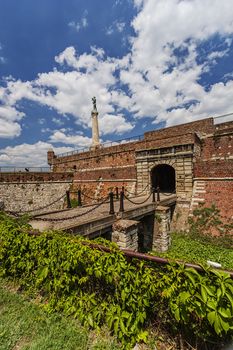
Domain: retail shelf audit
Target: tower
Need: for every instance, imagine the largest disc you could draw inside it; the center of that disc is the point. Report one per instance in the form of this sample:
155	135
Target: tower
95	126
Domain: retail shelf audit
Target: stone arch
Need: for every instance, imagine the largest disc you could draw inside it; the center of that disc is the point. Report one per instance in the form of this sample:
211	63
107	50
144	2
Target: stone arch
163	175
171	162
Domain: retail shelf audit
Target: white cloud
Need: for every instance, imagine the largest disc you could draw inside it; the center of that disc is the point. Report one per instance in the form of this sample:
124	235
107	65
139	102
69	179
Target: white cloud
83	23
160	83
9	121
117	124
58	121
161	27
29	154
9	129
115	27
74	89
78	141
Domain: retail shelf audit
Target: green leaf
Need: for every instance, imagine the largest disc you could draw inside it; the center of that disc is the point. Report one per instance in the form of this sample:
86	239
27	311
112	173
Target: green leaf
122	326
204	293
225	325
211	317
183	296
224	312
212	304
217	325
177	314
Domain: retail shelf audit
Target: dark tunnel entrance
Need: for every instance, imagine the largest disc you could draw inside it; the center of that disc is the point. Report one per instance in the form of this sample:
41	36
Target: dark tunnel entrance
164	176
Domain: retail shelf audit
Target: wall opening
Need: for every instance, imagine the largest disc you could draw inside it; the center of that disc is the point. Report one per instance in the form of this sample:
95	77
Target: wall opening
164	176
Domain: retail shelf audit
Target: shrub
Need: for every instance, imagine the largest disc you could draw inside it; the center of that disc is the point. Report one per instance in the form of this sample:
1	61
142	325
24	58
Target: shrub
105	288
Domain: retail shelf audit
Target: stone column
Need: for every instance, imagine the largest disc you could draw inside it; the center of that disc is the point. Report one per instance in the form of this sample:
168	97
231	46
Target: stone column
95	126
161	236
125	234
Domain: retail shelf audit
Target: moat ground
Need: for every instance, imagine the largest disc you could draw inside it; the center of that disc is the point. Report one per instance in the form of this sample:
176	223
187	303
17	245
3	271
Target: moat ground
24	325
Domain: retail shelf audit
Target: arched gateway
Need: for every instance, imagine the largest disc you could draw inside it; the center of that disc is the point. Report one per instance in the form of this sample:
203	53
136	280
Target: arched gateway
164	177
170	168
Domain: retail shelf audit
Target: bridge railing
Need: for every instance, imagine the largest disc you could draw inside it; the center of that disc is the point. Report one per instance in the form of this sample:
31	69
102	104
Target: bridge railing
110	198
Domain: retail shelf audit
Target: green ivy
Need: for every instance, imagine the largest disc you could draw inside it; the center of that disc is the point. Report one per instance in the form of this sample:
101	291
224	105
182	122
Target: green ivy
105	288
205	219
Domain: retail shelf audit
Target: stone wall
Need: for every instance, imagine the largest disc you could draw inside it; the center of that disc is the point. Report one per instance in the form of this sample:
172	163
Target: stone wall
125	234
20	193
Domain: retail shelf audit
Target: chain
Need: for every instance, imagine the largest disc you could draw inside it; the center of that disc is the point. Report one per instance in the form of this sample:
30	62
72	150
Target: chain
137	193
85	195
16	213
74	216
137	202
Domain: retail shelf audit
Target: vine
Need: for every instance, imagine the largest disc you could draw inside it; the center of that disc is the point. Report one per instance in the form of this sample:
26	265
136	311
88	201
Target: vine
105	288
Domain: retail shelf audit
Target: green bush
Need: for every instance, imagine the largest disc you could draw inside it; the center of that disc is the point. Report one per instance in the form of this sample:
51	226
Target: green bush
105	288
199	249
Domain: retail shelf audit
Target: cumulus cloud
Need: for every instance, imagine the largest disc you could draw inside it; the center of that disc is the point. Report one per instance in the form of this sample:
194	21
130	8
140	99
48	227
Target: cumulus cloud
110	124
9	121
28	154
78	141
158	78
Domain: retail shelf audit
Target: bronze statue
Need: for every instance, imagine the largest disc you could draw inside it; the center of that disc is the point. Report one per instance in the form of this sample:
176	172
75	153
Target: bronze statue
94	102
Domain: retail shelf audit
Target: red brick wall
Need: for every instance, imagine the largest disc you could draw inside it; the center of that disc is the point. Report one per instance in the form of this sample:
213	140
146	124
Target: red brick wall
218	146
213	168
128	172
202	126
35	177
220	193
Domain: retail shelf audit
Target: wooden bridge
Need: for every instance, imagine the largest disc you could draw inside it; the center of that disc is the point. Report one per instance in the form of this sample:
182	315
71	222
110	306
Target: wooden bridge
100	219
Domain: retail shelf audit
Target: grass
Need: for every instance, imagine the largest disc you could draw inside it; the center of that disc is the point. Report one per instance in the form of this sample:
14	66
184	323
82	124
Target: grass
198	250
25	326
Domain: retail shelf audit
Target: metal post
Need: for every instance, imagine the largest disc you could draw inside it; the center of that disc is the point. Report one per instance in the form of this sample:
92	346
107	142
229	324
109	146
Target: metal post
79	198
121	201
111	196
123	189
153	194
158	194
68	199
117	193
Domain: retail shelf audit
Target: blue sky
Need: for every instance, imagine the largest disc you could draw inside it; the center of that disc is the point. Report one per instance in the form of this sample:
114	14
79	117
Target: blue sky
150	63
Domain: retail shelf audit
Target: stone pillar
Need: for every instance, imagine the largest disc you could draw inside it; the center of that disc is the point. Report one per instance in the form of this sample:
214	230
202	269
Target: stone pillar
125	234
161	236
95	126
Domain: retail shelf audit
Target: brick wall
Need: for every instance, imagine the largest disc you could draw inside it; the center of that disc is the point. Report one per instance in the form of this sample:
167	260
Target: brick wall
35	177
204	126
220	193
213	171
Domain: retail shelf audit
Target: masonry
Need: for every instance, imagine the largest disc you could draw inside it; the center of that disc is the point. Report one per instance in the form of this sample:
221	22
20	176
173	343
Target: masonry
28	191
195	160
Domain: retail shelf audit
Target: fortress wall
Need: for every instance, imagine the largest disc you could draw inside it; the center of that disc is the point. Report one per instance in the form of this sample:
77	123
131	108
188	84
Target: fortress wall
27	191
213	172
205	126
220	193
24	177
